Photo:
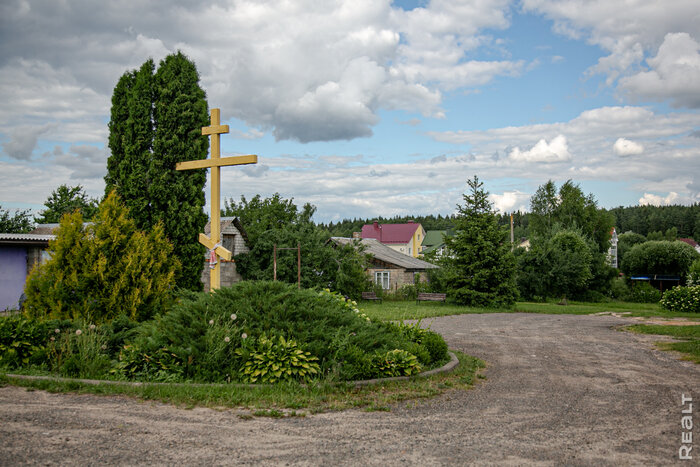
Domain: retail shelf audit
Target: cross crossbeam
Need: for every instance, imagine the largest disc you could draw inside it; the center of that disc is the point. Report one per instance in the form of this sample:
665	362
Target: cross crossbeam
214	130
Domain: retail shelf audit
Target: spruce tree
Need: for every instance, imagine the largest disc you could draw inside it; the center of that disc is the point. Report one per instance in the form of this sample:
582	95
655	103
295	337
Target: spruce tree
480	268
156	121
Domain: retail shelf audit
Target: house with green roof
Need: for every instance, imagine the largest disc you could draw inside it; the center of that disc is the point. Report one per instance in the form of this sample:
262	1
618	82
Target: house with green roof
434	240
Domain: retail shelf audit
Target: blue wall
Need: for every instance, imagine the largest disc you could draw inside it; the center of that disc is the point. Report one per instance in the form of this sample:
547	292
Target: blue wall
13	273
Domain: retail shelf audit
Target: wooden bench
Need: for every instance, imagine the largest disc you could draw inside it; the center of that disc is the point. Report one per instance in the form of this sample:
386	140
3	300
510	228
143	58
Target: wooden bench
371	296
430	297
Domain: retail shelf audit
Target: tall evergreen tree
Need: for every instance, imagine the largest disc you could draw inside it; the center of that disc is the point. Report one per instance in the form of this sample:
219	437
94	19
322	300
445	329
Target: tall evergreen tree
156	122
480	268
131	142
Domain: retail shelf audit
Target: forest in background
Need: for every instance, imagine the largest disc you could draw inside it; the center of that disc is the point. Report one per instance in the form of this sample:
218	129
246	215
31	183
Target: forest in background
644	220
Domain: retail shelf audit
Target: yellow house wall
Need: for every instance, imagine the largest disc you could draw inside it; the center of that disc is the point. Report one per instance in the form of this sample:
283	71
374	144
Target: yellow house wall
416	241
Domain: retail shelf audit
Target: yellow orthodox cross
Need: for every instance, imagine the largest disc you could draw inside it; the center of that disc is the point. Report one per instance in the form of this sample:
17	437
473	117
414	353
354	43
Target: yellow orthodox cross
215	163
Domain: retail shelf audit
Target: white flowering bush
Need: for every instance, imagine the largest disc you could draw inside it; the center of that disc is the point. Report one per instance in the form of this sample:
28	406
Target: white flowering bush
682	299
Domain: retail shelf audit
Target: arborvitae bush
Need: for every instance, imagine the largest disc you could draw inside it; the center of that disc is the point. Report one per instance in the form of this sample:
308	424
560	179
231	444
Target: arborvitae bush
104	269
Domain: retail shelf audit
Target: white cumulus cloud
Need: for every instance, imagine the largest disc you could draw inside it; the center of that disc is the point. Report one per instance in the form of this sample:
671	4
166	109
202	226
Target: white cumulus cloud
510	201
557	150
656	200
674	73
624	147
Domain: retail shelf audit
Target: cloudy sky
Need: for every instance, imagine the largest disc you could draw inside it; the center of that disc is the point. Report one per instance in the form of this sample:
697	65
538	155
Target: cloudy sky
373	107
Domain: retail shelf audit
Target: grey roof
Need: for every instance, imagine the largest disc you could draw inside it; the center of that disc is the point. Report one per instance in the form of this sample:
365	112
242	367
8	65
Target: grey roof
228	224
46	229
387	254
25	238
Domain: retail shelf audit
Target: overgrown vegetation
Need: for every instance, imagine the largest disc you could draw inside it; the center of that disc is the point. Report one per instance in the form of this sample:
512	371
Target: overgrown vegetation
660	257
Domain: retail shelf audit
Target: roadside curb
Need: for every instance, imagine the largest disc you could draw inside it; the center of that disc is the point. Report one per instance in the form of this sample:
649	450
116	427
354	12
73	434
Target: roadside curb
96	382
449	366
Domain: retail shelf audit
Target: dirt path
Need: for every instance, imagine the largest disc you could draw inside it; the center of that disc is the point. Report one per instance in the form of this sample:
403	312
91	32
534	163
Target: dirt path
560	389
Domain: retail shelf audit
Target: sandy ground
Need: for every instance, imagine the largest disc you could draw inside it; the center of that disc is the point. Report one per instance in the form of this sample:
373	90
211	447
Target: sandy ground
560	389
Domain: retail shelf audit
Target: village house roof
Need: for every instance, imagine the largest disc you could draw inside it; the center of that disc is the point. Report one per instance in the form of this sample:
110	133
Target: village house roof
387	254
390	233
25	239
229	225
690	242
45	229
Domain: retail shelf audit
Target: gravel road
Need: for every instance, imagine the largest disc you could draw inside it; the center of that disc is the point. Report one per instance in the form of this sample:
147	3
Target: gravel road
560	389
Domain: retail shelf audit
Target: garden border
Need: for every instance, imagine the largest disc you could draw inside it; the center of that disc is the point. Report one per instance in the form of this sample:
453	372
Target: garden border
449	366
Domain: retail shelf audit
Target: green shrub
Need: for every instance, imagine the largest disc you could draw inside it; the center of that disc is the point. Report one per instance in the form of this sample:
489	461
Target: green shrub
353	363
435	345
278	359
682	299
694	274
619	290
643	292
22	341
660	257
413	332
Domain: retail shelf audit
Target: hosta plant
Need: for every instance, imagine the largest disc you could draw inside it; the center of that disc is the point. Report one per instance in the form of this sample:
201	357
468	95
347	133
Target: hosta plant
277	359
397	362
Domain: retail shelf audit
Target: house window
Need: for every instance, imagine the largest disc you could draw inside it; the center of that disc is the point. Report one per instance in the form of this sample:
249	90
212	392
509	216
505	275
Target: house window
382	278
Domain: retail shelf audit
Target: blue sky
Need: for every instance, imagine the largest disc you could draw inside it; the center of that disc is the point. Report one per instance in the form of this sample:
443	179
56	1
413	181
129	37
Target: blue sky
370	108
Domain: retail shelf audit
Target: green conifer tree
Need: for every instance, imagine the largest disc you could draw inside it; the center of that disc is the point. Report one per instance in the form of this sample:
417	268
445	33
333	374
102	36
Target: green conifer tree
177	197
131	142
480	268
101	270
156	121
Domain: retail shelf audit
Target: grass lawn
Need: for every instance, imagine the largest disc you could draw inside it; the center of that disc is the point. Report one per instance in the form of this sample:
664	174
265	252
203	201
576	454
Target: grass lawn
396	310
690	336
279	400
